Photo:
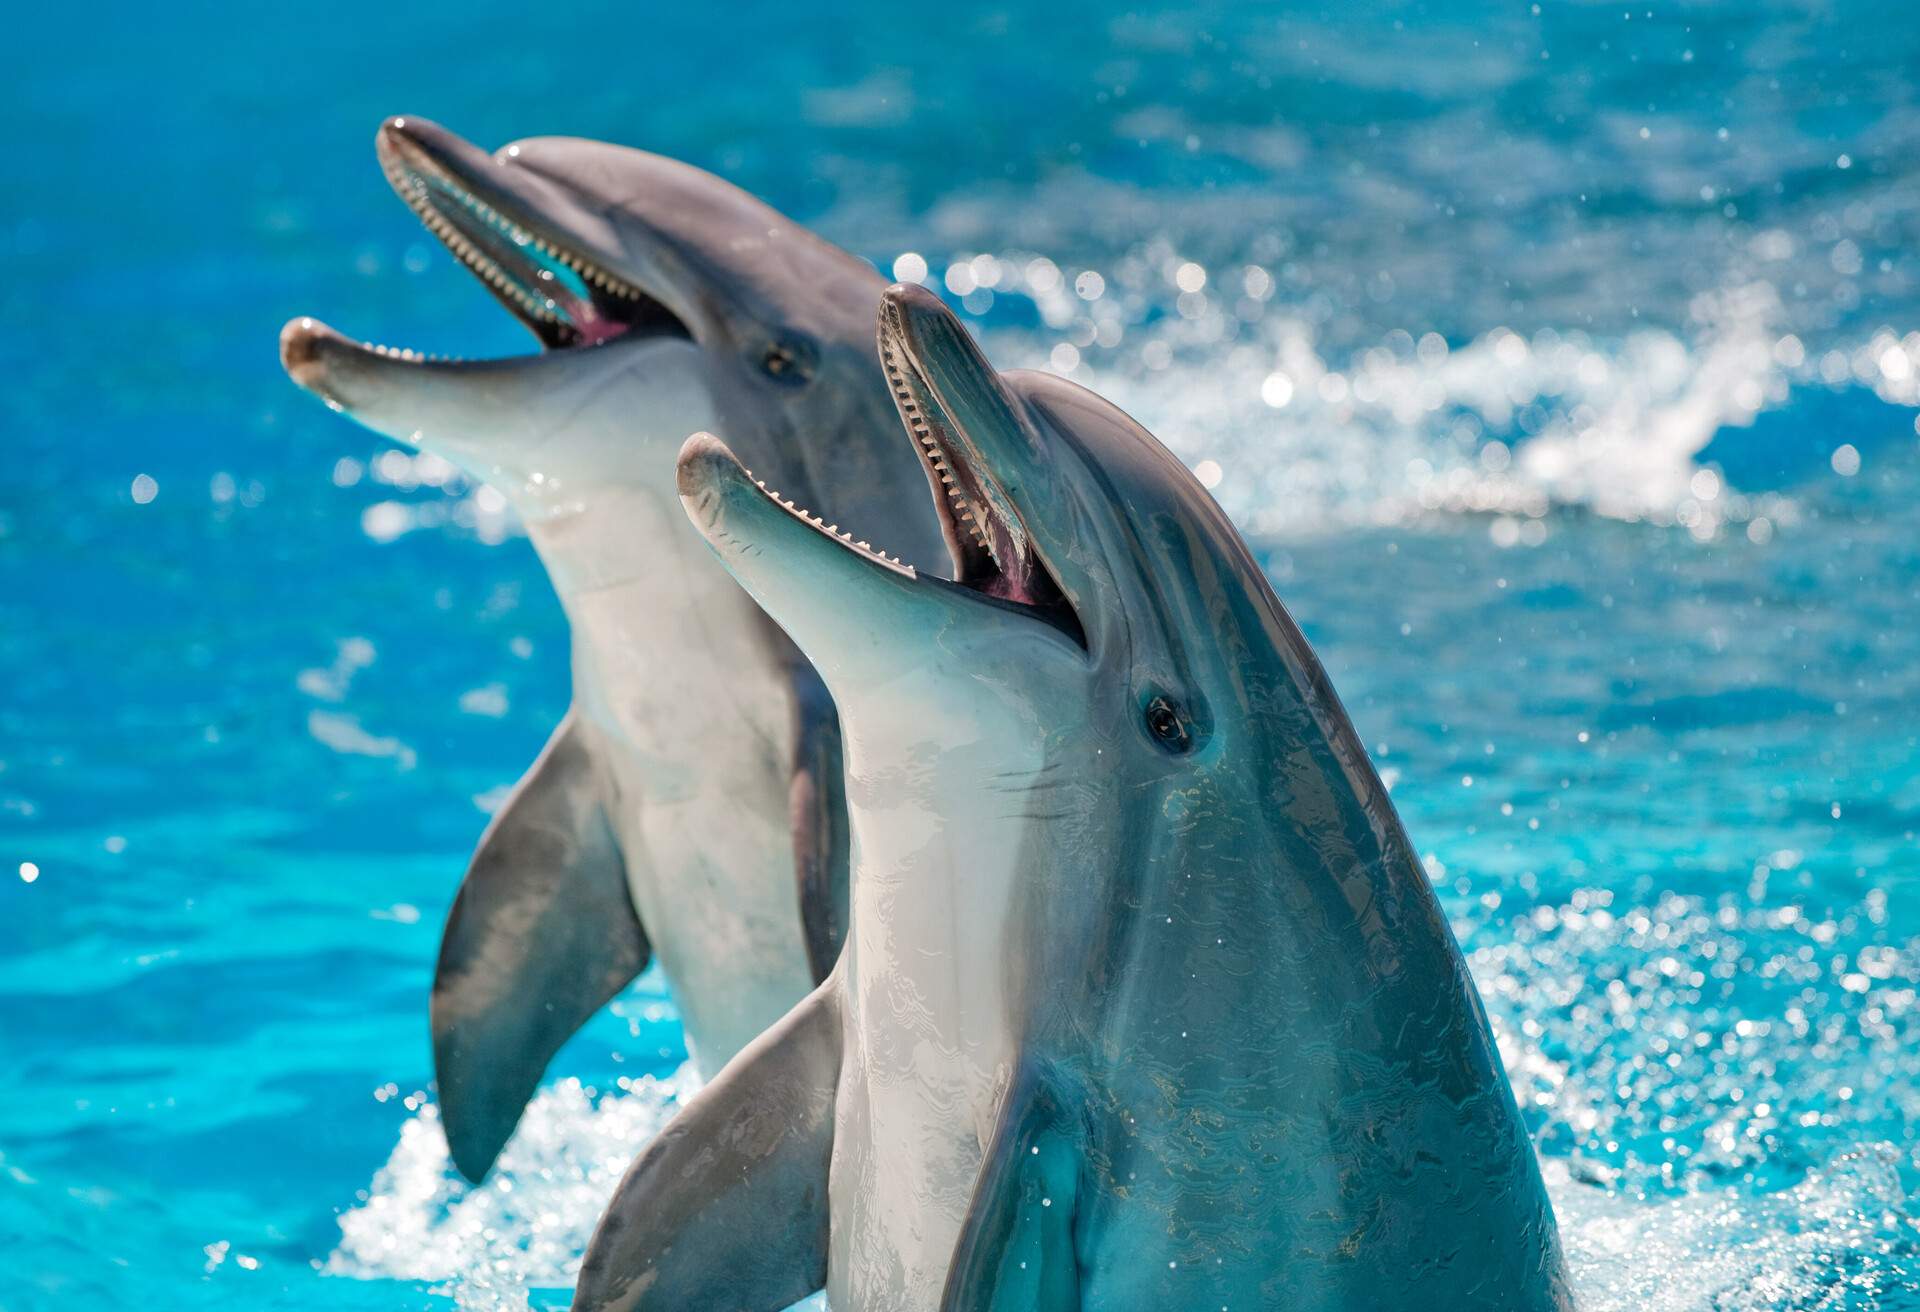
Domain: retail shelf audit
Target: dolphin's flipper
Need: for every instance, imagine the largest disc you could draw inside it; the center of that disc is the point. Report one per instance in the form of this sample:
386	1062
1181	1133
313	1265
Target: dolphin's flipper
818	810
542	934
1016	1250
726	1209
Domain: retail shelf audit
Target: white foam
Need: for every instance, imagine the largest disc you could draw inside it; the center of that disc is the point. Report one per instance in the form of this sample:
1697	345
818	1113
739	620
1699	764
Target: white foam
491	1247
527	1224
1824	1243
1301	437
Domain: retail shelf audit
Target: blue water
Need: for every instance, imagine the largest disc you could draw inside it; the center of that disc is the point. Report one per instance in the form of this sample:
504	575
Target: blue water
1562	361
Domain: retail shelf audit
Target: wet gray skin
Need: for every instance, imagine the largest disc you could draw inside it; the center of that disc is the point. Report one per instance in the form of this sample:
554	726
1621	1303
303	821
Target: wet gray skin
688	807
1147	1003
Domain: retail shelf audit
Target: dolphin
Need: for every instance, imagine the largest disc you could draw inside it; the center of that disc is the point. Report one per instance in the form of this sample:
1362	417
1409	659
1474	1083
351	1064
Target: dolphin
697	774
1146	1002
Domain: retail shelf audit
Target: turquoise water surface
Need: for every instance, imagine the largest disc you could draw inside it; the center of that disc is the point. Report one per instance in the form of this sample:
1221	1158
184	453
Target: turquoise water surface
1562	362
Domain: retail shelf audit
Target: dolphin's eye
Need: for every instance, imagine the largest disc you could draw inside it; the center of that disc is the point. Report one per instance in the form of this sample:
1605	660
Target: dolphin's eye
1168	726
788	361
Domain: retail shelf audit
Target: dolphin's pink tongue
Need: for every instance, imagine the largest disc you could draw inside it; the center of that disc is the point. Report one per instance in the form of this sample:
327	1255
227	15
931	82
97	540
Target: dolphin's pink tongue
593	329
581	315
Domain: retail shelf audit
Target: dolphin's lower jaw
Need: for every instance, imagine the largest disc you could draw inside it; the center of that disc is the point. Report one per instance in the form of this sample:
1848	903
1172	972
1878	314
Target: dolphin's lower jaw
706	463
321	359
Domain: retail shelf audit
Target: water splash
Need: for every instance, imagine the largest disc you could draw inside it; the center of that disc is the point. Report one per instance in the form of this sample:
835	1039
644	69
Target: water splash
526	1225
1842	1237
1301	426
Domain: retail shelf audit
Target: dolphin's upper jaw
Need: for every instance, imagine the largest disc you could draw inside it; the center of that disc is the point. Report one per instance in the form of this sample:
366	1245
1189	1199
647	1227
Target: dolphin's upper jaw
992	551
968	532
541	272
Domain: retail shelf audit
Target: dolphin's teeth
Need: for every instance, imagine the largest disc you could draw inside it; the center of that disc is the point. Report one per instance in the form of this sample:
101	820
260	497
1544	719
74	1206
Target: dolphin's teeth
806	516
962	509
419	195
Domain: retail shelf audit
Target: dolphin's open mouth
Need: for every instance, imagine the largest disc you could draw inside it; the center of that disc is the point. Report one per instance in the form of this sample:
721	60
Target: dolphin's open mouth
982	544
542	273
538	273
993	554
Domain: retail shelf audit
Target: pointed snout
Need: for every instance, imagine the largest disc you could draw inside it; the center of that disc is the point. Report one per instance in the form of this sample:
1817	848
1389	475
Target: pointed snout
421	145
385	388
309	350
705	466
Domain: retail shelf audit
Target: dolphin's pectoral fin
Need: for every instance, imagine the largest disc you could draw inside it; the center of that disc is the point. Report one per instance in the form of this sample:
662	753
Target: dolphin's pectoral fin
1016	1251
542	934
727	1207
818	810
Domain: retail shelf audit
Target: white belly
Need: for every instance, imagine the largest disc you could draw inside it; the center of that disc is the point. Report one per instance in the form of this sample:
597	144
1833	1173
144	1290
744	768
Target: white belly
677	674
929	1049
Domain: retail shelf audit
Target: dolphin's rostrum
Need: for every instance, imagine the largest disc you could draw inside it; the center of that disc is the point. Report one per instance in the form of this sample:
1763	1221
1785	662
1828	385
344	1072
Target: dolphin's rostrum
698	770
1147	1002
